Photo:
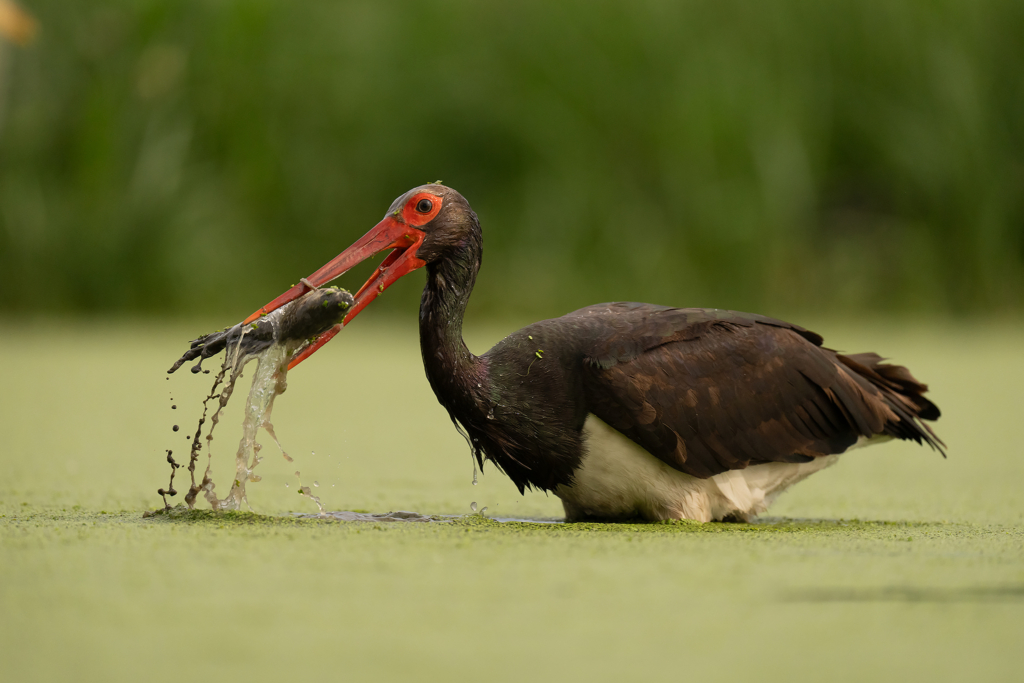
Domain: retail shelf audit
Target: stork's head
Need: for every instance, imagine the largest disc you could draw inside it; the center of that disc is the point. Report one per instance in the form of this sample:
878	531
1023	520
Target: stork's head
423	225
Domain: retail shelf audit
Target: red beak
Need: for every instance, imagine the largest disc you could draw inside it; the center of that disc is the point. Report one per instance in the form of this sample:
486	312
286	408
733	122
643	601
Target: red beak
390	233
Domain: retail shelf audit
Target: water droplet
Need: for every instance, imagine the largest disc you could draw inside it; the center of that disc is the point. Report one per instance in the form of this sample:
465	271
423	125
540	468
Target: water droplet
297	473
173	407
484	510
472	506
174	428
333	485
316	484
312	453
286	484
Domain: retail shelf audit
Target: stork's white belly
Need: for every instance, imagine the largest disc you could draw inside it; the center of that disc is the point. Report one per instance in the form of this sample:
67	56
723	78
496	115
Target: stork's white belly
618	479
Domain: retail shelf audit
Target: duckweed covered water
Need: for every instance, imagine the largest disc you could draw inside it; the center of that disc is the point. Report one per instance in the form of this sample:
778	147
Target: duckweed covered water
893	565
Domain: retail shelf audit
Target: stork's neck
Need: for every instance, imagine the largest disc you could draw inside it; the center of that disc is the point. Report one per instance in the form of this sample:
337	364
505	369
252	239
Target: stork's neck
452	370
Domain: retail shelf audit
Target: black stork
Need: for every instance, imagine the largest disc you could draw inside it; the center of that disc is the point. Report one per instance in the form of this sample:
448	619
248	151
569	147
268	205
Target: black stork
629	410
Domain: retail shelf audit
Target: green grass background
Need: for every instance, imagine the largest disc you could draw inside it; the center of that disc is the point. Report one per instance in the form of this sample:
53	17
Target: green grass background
928	585
853	155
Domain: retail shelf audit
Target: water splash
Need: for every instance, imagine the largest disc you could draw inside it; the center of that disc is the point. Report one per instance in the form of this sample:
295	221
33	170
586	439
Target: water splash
305	491
269	381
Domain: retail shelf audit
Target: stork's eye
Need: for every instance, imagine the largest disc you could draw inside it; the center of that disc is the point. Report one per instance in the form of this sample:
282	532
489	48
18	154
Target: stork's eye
424	205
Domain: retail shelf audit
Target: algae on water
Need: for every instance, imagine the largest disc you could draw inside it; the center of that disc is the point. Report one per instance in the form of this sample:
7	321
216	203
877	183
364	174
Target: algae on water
272	341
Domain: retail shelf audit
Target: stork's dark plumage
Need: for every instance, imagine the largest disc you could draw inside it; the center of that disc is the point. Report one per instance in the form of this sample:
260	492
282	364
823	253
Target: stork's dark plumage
626	409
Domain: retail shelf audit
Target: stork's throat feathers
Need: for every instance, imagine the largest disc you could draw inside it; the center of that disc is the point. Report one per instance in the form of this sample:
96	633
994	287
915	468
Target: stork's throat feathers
451	369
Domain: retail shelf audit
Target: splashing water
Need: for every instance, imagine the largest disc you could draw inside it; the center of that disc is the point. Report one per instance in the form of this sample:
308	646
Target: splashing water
305	491
268	383
274	341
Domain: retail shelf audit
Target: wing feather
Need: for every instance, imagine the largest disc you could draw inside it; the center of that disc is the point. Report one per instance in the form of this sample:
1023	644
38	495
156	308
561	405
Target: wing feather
710	391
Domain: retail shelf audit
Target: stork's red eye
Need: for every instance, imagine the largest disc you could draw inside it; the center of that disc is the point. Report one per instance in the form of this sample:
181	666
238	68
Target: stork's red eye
421	208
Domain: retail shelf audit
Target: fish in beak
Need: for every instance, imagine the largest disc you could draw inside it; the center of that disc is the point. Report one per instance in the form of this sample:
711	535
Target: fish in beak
399	231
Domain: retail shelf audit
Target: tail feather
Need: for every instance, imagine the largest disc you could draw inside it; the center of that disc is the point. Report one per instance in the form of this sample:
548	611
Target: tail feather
903	393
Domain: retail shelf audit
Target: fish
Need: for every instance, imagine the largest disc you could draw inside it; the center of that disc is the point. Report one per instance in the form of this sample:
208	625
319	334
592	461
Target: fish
295	324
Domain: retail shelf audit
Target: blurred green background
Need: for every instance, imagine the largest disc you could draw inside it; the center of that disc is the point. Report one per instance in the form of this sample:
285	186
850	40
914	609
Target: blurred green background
199	156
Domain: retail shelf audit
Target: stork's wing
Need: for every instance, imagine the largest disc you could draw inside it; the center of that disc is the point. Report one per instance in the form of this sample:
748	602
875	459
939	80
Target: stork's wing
710	391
